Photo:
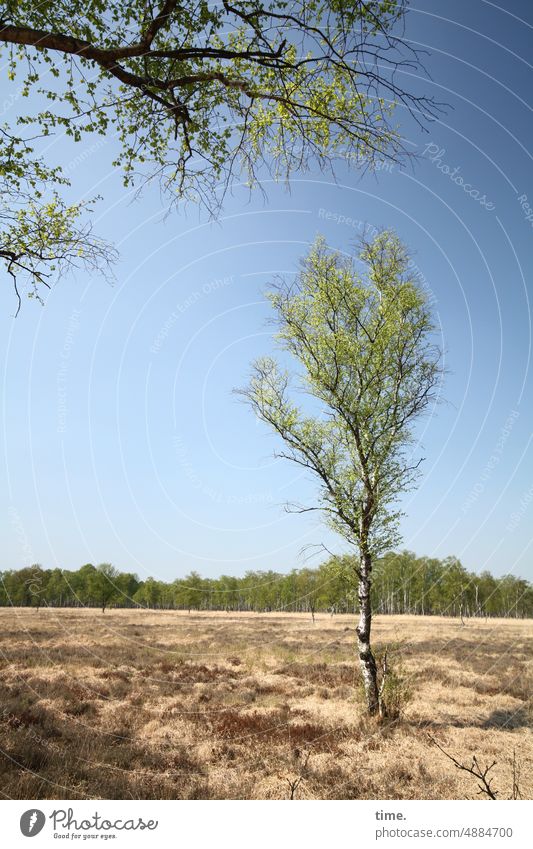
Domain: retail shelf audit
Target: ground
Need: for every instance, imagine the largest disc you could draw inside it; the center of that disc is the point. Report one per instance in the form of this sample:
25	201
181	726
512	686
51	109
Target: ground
171	705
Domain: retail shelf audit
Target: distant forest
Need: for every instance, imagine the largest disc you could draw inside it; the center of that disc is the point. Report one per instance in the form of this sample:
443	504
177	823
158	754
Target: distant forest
402	583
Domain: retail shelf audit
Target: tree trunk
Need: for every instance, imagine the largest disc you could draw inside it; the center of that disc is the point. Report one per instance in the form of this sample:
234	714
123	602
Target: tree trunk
366	658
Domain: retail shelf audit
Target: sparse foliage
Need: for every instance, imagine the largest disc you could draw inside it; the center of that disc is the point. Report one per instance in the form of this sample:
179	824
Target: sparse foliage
480	773
41	236
103	584
369	362
201	93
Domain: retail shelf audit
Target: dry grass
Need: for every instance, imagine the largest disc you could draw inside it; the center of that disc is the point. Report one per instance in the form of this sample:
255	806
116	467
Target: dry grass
143	704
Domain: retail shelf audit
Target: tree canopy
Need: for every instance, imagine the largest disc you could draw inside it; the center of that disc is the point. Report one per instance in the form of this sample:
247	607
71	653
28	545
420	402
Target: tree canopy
41	235
365	353
200	95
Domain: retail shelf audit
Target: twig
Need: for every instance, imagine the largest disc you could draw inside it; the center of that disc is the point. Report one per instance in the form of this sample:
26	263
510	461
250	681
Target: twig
474	769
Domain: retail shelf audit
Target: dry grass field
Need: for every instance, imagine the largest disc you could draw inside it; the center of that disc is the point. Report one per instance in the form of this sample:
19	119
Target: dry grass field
170	705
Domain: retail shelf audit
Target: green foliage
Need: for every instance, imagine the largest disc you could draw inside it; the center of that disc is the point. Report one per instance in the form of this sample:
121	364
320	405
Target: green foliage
199	93
198	96
365	353
191	592
403	584
103	584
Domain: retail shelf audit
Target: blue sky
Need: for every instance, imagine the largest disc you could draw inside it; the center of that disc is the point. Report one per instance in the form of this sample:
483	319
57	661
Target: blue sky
121	439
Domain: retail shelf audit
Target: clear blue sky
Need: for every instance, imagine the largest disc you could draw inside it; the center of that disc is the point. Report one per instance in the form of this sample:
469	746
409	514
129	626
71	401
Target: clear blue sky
121	440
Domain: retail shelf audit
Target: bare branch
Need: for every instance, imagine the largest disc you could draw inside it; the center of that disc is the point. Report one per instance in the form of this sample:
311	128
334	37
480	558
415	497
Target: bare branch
478	772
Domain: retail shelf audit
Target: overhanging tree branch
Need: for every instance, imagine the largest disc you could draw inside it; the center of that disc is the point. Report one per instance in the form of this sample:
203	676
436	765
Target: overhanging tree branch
222	91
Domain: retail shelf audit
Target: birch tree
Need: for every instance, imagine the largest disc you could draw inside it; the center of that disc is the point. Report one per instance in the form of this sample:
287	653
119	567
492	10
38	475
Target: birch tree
42	237
366	357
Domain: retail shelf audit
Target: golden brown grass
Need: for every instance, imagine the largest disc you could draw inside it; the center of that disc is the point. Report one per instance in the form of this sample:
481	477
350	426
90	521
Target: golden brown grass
170	705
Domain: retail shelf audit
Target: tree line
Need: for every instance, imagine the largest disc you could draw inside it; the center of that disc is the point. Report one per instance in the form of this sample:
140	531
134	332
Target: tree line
402	584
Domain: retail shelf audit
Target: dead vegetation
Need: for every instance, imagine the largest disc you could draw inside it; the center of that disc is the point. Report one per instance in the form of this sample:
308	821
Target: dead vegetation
167	705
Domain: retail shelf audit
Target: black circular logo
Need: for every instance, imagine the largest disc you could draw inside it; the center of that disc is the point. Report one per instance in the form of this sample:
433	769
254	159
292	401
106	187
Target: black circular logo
32	822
